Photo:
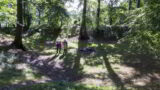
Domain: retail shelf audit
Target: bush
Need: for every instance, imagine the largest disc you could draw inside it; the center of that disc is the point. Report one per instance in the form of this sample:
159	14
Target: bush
111	33
144	42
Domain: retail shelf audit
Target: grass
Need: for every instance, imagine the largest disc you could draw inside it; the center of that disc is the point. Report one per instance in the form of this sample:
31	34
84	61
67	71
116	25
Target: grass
14	76
74	86
13	71
65	86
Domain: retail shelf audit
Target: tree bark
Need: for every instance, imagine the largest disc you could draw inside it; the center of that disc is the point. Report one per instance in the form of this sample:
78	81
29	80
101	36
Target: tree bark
129	4
98	15
17	43
39	16
83	32
110	20
111	12
26	16
138	3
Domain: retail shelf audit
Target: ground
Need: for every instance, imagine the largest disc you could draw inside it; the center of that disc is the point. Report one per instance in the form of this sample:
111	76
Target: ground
112	64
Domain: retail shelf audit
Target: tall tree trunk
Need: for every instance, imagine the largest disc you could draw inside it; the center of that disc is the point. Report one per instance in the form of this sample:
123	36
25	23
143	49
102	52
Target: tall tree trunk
39	16
24	11
138	3
83	32
110	20
26	16
7	24
17	43
129	4
110	12
98	15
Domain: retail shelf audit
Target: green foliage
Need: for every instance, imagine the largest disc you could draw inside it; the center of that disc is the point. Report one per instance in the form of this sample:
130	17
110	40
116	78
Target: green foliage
144	22
112	33
152	14
35	41
8	11
144	18
50	16
144	42
55	13
116	12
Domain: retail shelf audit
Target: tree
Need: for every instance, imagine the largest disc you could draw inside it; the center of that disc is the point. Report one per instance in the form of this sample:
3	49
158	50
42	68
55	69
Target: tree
83	32
130	4
110	7
152	14
17	43
98	15
8	12
39	14
138	3
26	16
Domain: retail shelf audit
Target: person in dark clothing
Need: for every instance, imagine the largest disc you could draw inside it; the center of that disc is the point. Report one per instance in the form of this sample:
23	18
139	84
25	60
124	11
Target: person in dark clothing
58	46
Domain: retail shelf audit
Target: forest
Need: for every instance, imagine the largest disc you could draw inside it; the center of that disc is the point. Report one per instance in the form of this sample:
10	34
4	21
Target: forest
79	44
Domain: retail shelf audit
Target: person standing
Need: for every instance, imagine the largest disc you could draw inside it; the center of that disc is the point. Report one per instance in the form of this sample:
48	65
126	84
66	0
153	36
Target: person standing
58	46
65	46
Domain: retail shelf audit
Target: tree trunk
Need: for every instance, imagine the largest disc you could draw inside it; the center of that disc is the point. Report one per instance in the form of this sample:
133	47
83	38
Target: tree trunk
129	4
39	16
98	15
110	20
6	24
138	3
111	12
26	16
83	31
24	11
17	43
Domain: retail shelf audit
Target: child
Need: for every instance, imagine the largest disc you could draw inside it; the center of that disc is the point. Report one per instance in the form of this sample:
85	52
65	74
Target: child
65	46
58	46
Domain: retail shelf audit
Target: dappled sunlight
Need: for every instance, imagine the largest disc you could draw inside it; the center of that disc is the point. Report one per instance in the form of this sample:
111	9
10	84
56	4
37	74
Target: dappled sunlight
8	71
119	70
15	72
64	44
133	69
123	68
51	51
1	70
72	45
94	69
114	58
5	40
96	61
95	76
111	45
28	72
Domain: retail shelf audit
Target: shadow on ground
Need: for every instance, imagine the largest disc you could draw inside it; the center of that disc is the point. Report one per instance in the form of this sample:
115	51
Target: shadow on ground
58	67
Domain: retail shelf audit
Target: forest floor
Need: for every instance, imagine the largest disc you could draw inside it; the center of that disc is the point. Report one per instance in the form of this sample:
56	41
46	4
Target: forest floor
111	64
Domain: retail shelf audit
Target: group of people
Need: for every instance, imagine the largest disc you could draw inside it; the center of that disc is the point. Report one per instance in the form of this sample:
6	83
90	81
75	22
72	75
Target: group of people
64	45
60	45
